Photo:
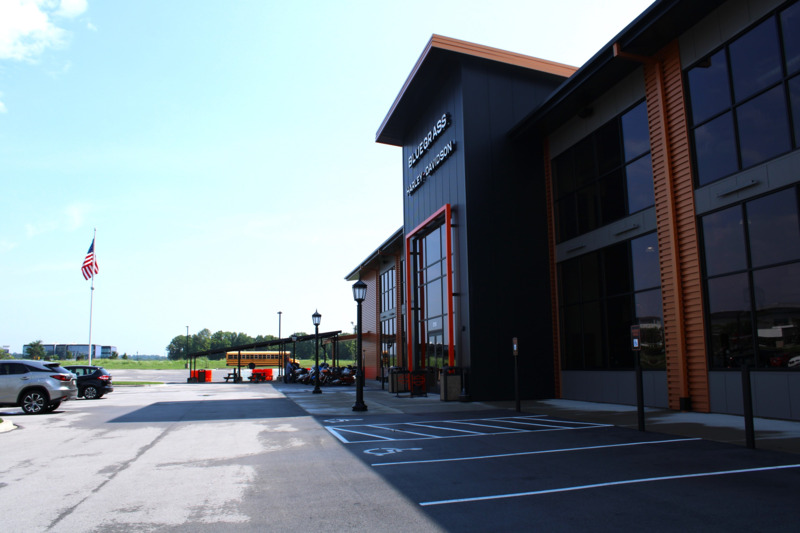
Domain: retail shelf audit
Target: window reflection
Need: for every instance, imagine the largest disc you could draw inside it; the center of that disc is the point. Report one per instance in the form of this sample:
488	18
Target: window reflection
605	176
723	241
599	304
772	238
778	316
646	273
790	26
715	149
731	134
731	328
774	228
640	184
709	92
763	127
635	132
755	60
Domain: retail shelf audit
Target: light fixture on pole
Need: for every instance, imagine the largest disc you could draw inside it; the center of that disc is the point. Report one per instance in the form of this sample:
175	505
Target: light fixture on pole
359	295
290	376
280	342
316	317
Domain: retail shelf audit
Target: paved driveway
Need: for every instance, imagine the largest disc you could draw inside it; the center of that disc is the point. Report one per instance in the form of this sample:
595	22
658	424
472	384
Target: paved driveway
264	457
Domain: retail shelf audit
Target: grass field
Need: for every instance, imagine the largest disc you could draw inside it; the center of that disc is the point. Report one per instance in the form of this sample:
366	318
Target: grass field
160	364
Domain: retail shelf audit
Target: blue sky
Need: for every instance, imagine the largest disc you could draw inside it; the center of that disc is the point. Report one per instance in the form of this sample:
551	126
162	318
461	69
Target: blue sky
224	150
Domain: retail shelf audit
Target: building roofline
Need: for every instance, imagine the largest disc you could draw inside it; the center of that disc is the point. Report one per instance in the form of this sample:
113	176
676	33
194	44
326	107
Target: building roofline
396	237
457	46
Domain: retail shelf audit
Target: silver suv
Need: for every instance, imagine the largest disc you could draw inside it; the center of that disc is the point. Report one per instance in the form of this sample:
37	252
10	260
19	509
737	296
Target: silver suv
36	386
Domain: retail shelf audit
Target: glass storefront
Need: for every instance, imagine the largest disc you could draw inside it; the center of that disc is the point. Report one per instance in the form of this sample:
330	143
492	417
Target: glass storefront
751	254
601	295
431	306
604	177
740	114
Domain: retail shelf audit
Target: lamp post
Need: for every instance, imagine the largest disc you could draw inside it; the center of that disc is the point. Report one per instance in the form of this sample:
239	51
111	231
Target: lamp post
359	295
316	318
280	343
294	354
187	356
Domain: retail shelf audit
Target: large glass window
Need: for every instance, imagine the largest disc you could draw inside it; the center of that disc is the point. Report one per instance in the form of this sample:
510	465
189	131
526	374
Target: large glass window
605	176
432	335
738	99
604	293
388	290
752	264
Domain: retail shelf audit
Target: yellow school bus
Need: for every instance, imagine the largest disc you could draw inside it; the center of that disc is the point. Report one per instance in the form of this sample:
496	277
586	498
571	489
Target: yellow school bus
258	359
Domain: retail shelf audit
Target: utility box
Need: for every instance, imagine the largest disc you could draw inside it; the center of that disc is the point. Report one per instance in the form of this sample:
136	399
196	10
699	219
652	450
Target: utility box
450	389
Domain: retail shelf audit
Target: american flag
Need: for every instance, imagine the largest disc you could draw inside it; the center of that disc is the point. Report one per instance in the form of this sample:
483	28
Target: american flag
89	267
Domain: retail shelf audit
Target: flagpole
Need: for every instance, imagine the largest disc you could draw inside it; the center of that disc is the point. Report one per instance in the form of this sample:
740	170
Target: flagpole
91	299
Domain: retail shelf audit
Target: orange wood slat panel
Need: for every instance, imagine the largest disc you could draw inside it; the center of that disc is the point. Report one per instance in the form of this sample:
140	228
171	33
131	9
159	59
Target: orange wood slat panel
681	279
551	230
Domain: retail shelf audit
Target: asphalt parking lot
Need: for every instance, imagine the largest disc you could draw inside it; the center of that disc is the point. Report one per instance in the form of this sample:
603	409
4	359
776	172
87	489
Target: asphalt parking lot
263	457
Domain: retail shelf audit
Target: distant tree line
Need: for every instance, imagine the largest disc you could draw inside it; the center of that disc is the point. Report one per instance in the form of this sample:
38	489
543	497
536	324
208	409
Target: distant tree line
204	340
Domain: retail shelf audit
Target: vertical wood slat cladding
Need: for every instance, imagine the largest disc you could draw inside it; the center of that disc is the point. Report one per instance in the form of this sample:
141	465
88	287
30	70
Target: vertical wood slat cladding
399	315
370	322
681	279
551	245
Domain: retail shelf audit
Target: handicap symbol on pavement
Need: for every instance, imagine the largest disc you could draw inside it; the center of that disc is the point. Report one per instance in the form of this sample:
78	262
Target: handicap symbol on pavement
380	452
340	420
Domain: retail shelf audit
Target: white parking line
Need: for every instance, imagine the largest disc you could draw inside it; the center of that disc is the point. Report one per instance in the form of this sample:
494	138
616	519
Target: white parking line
609	484
339	436
423	424
537	452
505	425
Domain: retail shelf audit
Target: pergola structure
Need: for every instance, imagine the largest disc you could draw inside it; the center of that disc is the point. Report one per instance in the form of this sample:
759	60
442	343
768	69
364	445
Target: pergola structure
330	336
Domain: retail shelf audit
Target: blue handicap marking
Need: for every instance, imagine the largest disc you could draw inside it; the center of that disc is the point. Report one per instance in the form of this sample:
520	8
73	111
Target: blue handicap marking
380	452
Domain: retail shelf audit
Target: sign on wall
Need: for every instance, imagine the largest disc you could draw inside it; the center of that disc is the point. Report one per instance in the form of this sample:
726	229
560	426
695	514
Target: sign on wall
424	146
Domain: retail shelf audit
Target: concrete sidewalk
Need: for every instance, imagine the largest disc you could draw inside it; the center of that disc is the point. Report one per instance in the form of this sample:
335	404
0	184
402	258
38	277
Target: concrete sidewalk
778	435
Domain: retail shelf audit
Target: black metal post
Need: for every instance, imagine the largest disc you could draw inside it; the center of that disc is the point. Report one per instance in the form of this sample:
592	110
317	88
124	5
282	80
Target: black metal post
359	405
639	390
747	398
516	384
317	390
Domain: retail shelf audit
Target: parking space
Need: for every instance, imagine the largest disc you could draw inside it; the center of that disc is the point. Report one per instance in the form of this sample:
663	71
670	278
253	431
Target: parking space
451	428
535	472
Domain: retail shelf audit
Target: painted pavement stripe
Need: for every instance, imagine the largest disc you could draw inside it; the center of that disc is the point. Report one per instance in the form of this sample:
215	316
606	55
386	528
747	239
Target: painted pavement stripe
609	484
537	452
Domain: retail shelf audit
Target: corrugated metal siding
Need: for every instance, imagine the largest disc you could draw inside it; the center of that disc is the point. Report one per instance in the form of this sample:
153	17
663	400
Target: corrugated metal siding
400	279
370	323
551	245
681	281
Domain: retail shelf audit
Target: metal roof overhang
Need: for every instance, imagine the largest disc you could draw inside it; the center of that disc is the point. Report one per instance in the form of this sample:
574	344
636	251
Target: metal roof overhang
656	27
433	64
263	344
396	240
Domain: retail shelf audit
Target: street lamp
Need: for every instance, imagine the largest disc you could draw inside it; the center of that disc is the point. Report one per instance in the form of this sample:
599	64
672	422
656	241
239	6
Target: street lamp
316	318
280	342
359	295
294	354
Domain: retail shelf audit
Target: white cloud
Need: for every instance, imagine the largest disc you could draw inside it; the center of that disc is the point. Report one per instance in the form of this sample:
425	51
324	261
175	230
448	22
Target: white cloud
26	28
71	218
7	246
2	105
71	8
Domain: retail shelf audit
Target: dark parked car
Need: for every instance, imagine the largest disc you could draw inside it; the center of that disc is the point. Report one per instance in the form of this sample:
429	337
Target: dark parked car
36	386
93	381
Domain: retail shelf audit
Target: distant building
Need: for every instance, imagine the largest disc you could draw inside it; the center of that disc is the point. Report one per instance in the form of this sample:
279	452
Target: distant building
75	351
